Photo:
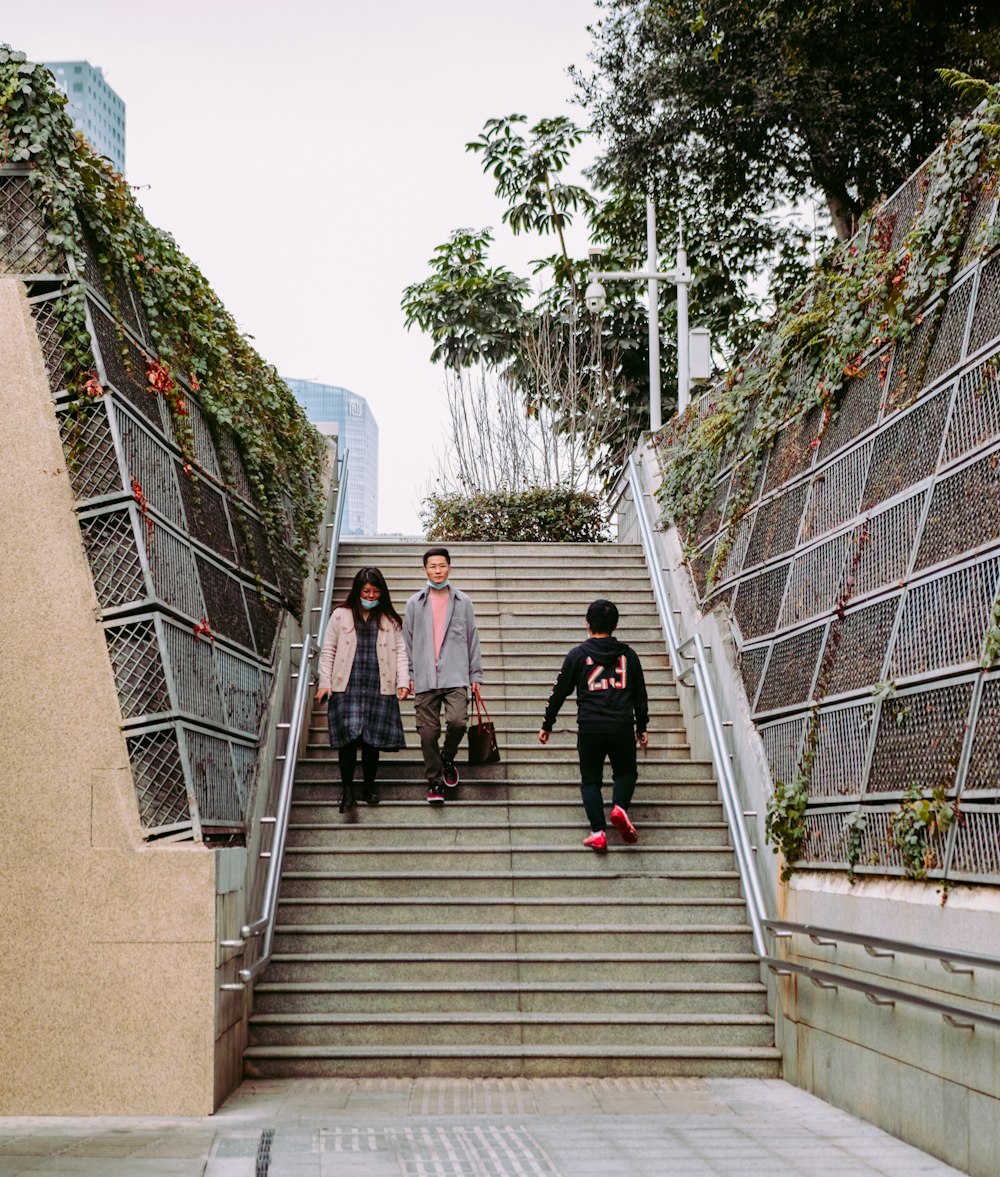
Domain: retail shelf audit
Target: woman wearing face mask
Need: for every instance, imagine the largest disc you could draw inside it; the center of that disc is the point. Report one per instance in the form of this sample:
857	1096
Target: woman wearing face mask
363	671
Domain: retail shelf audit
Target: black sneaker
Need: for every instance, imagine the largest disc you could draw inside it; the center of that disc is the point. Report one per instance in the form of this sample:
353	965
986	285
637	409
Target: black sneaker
449	772
435	796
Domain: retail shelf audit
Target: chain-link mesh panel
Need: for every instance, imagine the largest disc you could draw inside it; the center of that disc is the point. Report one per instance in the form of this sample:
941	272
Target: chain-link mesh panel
783	746
49	328
986	316
242	691
947	348
835	493
945	619
711	518
206	514
884	543
736	555
138	668
906	451
824	841
110	544
976	417
792	452
877	846
838	768
758	601
983	772
221	796
265	618
791	671
252	548
964	512
159	778
858	406
193	673
976	848
175	578
91	457
751	668
234	468
919	739
128	378
777	525
979	219
857	647
815	580
204	446
906	204
24	244
151	465
224	602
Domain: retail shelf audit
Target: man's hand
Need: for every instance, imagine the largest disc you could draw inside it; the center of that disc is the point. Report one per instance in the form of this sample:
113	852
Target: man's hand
477	691
643	740
323	694
410	691
543	736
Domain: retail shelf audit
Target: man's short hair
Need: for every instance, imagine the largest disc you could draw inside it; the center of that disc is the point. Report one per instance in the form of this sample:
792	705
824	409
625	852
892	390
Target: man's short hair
436	552
602	616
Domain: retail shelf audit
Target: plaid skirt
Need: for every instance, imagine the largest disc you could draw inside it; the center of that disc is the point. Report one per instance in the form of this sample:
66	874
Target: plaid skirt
362	711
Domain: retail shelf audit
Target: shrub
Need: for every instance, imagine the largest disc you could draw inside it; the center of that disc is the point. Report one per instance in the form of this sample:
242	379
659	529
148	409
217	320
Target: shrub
539	514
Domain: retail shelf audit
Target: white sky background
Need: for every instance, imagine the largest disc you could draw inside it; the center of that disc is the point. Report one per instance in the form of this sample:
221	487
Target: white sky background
308	156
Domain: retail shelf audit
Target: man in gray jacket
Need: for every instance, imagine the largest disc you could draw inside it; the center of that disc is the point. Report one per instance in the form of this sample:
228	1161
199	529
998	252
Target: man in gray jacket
442	644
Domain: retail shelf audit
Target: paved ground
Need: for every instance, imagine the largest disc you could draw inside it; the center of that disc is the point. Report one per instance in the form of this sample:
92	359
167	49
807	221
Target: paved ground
476	1128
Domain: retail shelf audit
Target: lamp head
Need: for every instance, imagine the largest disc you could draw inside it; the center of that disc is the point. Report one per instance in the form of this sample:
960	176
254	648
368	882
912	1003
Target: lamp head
595	297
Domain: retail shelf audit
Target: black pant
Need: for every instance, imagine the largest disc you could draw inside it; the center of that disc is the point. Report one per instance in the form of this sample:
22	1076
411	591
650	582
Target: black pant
348	757
593	747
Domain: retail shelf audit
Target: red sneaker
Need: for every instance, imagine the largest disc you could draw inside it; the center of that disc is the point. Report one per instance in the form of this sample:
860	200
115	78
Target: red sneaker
435	796
619	819
597	841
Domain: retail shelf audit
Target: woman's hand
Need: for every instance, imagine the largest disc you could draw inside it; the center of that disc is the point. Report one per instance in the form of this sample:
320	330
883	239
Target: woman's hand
402	692
323	694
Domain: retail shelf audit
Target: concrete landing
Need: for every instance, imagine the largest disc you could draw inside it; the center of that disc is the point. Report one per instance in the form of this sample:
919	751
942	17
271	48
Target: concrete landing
476	1128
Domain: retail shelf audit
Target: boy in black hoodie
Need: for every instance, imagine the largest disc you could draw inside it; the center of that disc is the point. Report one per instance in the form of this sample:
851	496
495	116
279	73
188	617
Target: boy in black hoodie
612	717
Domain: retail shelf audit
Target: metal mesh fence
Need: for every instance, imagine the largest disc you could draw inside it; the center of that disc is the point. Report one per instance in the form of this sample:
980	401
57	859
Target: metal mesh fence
792	670
843	736
24	245
919	739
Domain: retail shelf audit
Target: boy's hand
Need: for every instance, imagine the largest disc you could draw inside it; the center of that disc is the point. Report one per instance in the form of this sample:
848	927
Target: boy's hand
643	740
543	736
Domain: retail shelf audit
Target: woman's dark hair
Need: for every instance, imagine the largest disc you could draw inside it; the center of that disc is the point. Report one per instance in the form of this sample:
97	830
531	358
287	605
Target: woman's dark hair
602	616
436	552
384	607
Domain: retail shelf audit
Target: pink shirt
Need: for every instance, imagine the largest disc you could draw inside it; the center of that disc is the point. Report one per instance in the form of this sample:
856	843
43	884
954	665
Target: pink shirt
439	615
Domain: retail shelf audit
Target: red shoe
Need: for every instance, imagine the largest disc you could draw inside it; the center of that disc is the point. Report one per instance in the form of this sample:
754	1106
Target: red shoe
597	841
435	796
619	819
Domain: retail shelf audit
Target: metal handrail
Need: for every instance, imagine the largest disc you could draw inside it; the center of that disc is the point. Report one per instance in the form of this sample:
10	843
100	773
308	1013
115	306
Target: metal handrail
960	1017
264	924
695	651
883	946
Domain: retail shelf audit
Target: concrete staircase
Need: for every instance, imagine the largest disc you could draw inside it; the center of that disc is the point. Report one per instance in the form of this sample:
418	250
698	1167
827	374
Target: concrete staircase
482	938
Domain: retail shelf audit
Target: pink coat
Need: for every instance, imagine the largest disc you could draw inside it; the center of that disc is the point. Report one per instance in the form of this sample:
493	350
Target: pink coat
337	655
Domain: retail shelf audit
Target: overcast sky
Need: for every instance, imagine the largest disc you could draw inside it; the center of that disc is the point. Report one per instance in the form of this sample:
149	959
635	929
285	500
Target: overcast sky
309	155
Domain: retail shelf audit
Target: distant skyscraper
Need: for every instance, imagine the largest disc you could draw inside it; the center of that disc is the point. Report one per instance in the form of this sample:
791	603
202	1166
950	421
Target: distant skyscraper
94	107
328	405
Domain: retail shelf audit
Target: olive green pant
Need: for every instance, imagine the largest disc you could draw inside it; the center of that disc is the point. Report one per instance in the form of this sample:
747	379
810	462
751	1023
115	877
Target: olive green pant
428	705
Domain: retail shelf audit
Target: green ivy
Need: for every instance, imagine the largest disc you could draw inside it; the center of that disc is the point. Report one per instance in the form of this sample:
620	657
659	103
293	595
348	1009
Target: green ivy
918	827
855	825
198	343
536	515
785	824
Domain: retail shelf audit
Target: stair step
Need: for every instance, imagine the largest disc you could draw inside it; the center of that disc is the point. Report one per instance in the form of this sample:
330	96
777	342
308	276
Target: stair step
523	883
538	997
415	811
499	1061
383	834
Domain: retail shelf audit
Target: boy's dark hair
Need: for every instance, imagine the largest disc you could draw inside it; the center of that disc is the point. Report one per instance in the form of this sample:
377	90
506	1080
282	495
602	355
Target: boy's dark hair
436	552
602	616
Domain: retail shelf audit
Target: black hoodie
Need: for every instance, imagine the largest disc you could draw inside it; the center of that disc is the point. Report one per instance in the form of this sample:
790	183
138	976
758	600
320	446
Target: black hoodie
610	689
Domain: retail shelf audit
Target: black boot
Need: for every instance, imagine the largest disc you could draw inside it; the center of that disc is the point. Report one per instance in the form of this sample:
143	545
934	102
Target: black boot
347	799
371	793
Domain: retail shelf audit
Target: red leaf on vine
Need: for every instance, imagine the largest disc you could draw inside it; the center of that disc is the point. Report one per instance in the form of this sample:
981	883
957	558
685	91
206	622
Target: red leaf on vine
93	386
203	629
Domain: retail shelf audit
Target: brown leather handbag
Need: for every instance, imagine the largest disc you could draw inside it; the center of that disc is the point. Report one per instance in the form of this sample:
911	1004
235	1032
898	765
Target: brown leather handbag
483	747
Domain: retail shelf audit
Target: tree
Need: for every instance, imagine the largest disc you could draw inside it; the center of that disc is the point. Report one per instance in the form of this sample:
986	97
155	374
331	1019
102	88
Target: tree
732	111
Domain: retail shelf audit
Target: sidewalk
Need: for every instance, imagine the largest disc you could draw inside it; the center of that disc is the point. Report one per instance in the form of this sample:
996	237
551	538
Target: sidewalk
476	1128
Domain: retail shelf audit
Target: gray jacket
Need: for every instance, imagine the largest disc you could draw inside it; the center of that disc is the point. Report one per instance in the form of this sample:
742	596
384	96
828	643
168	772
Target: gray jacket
461	662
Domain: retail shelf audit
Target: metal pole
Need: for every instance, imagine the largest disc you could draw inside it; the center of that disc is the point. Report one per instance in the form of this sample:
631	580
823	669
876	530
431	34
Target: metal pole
682	276
655	403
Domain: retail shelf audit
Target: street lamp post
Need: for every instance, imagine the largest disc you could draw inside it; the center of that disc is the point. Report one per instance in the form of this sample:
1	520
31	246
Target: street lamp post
680	275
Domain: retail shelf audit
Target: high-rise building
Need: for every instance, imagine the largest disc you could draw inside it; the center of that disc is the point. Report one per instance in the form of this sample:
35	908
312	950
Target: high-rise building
94	107
332	409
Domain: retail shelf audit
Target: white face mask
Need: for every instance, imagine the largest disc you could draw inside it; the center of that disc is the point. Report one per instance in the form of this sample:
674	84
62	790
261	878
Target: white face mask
370	604
443	585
